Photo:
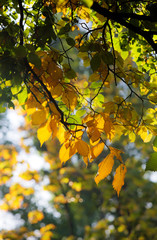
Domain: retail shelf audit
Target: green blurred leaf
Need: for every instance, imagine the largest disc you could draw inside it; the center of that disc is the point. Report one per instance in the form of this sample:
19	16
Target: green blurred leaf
2	109
80	113
152	162
70	74
22	96
88	3
65	29
107	57
20	51
15	89
34	59
155	142
70	41
95	62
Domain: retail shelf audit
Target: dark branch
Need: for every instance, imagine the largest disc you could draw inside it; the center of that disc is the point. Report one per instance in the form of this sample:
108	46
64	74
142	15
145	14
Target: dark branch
50	98
21	22
120	18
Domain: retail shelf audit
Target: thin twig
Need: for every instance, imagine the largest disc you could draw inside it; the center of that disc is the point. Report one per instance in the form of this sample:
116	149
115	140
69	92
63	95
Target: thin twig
21	22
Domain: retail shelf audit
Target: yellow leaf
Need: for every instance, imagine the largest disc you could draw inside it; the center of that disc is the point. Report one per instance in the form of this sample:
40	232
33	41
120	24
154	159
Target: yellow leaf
35	216
47	228
55	71
105	168
44	132
38	117
56	91
69	98
67	150
53	126
132	137
60	199
61	133
82	148
93	134
109	107
116	152
47	236
85	159
144	134
54	109
94	143
96	150
118	181
84	13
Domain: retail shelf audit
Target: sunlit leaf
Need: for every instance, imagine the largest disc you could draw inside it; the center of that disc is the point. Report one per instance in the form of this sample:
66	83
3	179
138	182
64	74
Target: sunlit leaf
82	148
67	151
44	132
105	168
152	162
35	216
96	150
118	181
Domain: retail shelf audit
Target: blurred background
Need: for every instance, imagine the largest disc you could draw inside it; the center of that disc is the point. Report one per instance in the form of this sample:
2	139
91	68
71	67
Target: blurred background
41	199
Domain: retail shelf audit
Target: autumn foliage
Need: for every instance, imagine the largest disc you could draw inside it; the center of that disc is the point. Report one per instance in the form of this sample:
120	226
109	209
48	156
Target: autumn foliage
114	96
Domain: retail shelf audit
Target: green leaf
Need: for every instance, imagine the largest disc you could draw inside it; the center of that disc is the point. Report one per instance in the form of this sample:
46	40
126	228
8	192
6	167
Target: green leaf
22	96
2	109
70	74
20	51
80	113
95	62
107	57
15	89
30	47
11	105
88	3
70	41
152	162
155	142
34	59
65	29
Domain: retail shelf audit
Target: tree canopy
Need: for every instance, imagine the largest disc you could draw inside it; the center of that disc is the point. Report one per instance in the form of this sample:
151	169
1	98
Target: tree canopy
85	73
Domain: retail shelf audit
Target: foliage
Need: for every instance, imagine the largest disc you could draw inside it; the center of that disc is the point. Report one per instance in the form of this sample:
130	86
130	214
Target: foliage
78	209
44	46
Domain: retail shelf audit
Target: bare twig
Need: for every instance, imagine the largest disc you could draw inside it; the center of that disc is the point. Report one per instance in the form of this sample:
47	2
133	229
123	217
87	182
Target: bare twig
21	22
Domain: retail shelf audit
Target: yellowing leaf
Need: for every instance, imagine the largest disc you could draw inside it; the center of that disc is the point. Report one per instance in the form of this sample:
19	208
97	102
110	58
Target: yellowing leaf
60	199
93	134
132	137
69	98
56	91
96	150
105	168
53	126
118	181
38	117
109	107
35	216
44	132
88	3
84	12
67	150
85	159
47	228
54	109
116	152
144	134
82	148
61	133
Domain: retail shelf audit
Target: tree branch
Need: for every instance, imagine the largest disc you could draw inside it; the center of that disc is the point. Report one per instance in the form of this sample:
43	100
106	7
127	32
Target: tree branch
120	18
21	22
